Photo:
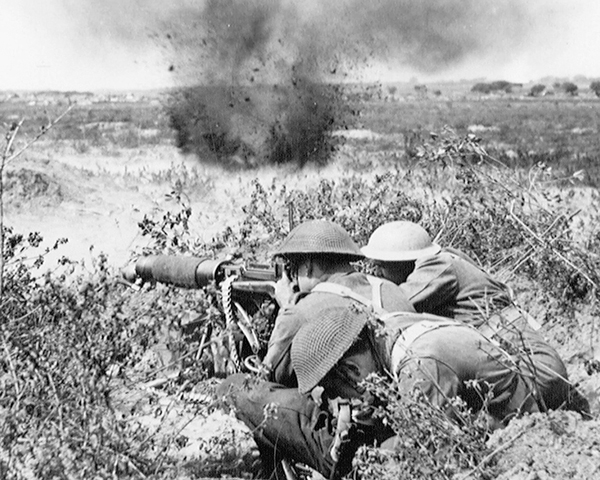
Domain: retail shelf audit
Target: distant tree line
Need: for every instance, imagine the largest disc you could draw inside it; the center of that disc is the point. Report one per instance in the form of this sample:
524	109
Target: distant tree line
536	90
496	86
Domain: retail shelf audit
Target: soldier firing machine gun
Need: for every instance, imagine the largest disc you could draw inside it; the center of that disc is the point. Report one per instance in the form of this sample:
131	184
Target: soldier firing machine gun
244	288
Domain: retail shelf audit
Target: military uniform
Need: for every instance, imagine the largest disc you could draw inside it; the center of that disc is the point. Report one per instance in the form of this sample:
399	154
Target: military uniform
448	359
441	357
450	284
302	428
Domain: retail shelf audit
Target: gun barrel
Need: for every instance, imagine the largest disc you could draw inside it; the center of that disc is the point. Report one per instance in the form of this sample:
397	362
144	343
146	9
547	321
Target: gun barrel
182	271
198	272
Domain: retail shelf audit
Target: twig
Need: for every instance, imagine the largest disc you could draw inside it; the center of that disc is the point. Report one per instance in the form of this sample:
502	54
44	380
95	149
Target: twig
58	402
11	138
6	158
547	245
41	133
502	447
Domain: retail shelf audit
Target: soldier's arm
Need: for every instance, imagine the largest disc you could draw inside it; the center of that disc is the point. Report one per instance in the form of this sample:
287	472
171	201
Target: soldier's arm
432	285
278	359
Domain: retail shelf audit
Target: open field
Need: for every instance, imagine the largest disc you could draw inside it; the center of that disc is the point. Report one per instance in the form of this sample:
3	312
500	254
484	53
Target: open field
111	164
560	129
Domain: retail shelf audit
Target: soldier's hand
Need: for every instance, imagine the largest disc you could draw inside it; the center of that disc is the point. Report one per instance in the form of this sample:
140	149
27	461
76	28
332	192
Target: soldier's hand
285	291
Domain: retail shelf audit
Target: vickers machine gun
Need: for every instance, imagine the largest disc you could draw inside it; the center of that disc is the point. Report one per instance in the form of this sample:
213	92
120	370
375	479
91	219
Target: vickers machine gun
246	288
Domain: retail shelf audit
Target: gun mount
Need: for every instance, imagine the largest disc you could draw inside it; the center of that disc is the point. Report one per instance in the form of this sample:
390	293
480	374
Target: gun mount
244	288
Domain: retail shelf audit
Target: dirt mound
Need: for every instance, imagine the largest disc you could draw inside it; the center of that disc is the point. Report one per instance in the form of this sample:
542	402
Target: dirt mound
25	185
548	446
39	182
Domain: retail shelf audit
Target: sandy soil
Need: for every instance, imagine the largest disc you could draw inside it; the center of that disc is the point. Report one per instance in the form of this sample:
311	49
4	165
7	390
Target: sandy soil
96	200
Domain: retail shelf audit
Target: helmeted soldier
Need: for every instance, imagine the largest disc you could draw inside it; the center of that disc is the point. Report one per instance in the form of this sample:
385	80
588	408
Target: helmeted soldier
321	275
446	282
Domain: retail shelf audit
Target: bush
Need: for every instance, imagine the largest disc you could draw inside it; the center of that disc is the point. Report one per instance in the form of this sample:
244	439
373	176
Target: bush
496	86
501	85
63	338
482	88
595	87
570	88
429	444
537	90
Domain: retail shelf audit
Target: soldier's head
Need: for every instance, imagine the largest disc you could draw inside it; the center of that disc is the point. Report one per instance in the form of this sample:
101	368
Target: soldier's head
316	249
335	352
396	246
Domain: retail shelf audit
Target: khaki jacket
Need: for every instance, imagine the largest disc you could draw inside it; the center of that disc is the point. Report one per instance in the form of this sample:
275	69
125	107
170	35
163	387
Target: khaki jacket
308	307
449	284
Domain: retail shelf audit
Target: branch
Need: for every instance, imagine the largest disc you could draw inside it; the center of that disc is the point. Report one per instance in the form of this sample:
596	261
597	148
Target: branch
10	141
41	133
486	460
547	245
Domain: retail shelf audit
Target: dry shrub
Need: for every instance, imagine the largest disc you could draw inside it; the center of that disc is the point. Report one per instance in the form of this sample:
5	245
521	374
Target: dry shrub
428	443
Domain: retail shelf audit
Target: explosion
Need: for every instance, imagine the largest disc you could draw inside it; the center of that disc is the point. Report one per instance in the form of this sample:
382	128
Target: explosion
260	92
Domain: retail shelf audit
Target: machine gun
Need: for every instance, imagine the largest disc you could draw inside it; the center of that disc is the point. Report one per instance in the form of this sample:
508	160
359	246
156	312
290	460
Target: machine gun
245	288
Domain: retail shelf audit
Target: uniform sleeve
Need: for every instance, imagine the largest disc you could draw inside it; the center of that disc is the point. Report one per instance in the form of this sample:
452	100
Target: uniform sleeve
432	285
278	358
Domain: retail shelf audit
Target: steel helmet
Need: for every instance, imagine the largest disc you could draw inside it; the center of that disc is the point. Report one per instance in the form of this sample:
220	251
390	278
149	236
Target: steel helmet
319	236
322	342
400	241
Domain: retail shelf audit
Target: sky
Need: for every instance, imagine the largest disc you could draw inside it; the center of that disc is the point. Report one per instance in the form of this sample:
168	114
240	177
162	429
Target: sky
123	44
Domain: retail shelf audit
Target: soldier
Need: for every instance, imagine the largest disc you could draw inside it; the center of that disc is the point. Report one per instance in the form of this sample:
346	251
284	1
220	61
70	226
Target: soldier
319	256
446	282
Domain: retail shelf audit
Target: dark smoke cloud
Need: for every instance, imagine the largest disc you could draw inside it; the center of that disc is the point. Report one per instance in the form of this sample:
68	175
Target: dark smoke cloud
263	97
428	35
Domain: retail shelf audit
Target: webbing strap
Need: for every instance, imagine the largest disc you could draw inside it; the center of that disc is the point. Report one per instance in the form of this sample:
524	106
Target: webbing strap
505	319
409	335
341	290
336	289
376	284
